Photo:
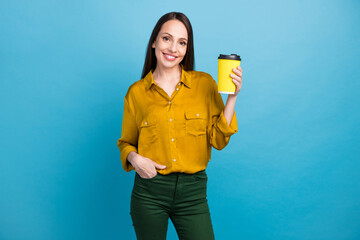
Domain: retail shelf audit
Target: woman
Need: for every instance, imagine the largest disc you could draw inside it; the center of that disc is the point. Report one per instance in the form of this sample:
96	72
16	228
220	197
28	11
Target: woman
172	117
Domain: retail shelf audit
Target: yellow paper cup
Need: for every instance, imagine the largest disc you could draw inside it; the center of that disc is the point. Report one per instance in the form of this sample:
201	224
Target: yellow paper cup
226	63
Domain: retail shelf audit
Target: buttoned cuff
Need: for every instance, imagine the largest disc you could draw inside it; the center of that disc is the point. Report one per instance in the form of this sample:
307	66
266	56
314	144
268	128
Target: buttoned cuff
223	126
124	153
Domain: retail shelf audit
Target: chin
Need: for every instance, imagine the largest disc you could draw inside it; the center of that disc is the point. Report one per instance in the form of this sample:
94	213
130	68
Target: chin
170	64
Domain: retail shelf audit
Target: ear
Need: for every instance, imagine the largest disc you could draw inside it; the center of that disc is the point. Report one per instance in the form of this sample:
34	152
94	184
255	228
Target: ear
153	45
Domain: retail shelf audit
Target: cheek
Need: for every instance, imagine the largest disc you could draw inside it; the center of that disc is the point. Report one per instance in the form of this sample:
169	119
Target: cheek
161	46
158	50
183	52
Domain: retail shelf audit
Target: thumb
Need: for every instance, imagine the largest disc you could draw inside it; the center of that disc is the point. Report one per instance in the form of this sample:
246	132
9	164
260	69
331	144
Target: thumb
158	166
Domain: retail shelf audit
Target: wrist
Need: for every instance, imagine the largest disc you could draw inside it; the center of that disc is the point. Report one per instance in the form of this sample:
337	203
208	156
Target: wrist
131	157
232	96
231	100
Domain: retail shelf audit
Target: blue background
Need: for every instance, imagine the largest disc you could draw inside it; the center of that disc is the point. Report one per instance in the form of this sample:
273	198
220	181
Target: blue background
291	172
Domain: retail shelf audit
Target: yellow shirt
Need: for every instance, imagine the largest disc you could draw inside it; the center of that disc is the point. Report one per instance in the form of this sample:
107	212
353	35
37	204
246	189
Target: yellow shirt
176	131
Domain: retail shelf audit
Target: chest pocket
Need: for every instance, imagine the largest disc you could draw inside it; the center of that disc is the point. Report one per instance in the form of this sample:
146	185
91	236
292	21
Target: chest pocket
195	123
148	131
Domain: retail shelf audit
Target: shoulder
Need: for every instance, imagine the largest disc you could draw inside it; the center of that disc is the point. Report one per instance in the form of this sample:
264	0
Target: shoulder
203	79
201	75
135	90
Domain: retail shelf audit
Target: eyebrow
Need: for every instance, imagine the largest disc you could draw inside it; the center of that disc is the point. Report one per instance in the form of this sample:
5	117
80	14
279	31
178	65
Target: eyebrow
173	36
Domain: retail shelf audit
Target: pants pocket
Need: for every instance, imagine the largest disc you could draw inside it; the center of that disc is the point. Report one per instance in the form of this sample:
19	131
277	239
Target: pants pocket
200	176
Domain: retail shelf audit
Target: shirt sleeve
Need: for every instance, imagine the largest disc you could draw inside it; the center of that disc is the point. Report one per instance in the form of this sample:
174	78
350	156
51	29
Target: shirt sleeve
220	130
129	136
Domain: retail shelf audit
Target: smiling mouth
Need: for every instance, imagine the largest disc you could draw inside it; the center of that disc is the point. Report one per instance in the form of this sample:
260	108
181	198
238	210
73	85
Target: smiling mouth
169	57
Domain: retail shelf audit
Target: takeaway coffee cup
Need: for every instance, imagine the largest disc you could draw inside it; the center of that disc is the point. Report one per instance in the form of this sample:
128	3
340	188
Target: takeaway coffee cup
226	63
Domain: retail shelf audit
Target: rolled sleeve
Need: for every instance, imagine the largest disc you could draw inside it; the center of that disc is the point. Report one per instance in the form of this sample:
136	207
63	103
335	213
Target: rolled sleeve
224	128
129	136
124	152
221	130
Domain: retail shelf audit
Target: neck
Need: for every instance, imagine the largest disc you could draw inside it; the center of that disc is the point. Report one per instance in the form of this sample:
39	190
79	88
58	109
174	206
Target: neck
167	74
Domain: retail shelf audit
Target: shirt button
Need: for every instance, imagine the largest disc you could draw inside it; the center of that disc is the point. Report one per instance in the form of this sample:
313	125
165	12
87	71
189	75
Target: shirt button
197	114
169	102
145	123
179	84
172	139
174	160
170	119
177	89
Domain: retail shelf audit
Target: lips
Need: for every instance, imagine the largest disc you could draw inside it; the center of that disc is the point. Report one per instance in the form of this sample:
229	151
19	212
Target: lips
169	57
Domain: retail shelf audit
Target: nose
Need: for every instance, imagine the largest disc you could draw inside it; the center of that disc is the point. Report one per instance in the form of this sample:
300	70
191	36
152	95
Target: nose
172	46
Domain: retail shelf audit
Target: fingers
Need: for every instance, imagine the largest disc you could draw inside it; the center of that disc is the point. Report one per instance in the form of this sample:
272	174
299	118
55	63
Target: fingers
238	71
147	173
237	84
146	167
159	166
151	172
236	77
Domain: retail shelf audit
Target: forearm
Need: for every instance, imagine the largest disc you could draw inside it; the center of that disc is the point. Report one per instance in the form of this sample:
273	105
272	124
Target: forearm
230	108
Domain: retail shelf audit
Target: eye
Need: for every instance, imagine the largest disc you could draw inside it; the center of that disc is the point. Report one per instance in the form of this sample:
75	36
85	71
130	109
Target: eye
166	38
183	43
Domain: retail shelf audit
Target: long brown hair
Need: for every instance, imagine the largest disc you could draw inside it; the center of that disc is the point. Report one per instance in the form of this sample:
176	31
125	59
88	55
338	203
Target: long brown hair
188	60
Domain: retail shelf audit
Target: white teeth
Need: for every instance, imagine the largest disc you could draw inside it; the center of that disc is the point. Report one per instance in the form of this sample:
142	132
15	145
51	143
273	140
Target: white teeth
170	57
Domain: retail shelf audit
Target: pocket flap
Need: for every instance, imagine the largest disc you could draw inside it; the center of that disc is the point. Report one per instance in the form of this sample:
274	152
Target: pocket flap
148	122
194	115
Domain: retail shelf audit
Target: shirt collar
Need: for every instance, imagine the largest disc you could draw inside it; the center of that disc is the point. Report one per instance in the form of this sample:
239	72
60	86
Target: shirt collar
185	78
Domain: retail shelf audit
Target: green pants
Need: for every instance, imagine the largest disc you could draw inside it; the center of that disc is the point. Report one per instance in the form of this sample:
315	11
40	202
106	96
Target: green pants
178	196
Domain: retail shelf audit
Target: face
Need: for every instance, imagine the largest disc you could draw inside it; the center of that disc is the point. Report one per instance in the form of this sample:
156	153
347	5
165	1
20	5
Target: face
171	44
